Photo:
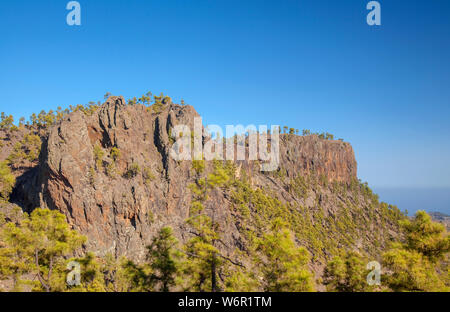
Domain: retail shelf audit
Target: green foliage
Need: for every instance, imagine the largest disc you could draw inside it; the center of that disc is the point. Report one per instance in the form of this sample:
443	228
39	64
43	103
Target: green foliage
7	181
43	239
325	136
242	281
148	175
115	153
164	260
132	101
26	149
411	271
347	273
115	275
91	176
284	266
162	269
138	276
145	99
324	236
150	217
415	264
426	237
159	103
98	156
111	170
92	277
88	109
198	166
14	259
46	119
133	170
167	100
204	260
6	122
219	177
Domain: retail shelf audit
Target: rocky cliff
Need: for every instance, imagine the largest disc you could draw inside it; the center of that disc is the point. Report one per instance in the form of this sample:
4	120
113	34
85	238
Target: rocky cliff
110	173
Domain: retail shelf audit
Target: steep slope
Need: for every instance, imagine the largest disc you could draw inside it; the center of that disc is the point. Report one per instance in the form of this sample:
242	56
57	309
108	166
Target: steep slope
120	201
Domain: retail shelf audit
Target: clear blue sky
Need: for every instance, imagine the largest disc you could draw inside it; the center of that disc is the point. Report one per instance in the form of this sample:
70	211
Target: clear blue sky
306	64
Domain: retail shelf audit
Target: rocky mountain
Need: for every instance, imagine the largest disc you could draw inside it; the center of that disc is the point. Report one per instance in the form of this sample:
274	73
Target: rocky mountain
110	172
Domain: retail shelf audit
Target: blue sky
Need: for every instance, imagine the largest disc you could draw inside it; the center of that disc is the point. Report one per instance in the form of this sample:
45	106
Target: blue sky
305	64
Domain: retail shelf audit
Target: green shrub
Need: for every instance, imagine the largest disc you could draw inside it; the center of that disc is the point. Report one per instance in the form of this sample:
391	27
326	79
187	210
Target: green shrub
92	176
6	122
98	156
198	166
148	175
115	153
151	217
27	149
133	170
111	170
7	181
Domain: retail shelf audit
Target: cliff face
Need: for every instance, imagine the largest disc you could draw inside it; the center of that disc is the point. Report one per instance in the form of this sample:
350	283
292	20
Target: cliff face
306	154
121	203
118	213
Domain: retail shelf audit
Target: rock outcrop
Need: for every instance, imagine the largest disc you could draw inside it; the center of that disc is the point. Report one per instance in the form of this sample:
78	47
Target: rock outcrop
119	204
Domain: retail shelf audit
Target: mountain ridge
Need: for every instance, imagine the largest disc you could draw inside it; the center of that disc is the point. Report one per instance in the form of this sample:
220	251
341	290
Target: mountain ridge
120	202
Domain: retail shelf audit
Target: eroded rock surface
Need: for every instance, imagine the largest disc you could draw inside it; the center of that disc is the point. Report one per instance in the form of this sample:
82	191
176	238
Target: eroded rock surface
120	212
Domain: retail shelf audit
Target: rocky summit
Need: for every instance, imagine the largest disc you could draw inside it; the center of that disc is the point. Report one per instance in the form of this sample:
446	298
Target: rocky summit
109	171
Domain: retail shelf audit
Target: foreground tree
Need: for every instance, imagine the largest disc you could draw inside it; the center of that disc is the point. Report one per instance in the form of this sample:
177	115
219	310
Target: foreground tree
164	259
205	262
7	181
15	259
347	273
284	266
44	239
159	273
416	265
92	278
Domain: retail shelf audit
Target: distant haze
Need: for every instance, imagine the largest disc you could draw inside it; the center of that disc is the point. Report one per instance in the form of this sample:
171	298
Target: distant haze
413	199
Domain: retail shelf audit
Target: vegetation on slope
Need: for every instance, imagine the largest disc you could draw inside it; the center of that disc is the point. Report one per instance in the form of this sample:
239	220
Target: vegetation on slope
339	226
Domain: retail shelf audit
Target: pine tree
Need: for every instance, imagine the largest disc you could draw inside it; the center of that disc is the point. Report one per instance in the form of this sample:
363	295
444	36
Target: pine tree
15	259
92	278
44	238
7	181
115	153
164	259
6	122
98	156
204	259
283	265
137	277
347	273
415	264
